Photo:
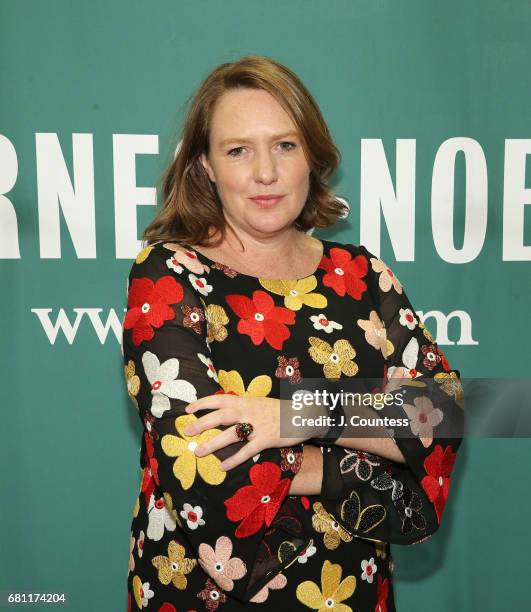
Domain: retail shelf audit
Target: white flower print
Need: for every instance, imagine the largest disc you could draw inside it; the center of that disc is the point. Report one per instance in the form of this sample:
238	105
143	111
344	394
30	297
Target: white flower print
193	515
322	323
159	518
200	284
410	357
308	552
174	265
146	594
369	568
211	370
164	383
140	543
407	318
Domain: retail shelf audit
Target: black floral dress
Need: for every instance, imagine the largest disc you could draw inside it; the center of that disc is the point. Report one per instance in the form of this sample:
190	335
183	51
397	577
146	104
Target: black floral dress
205	539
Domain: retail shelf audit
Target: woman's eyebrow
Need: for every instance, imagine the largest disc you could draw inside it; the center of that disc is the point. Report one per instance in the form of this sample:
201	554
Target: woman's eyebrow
274	137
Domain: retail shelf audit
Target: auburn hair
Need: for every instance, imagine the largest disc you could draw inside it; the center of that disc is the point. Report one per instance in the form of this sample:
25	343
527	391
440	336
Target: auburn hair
192	210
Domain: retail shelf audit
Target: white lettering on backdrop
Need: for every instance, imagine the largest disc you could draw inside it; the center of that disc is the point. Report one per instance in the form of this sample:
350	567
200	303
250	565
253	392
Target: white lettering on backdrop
73	197
112	324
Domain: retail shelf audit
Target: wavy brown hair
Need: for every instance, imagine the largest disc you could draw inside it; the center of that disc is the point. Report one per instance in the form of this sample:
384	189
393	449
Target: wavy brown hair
192	211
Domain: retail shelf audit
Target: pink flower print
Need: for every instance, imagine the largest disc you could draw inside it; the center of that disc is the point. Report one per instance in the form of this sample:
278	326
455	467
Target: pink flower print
219	564
423	417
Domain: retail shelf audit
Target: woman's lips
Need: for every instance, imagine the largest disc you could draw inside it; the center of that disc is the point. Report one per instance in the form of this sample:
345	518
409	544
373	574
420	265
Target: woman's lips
266	201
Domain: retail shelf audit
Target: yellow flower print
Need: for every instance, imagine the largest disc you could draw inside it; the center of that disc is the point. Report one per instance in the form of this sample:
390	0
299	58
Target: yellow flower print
337	359
387	278
361	520
133	381
143	254
381	549
216	320
452	386
376	334
136	509
426	332
183	447
171	509
232	382
175	566
333	590
323	522
296	292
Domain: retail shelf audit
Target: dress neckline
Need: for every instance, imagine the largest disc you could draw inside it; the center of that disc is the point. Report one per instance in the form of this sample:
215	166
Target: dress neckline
210	262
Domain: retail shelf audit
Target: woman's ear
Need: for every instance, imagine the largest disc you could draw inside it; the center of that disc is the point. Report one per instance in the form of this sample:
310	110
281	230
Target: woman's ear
206	165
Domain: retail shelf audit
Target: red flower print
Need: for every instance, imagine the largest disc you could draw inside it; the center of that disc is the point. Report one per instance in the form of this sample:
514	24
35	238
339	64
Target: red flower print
345	274
382	593
259	502
260	318
212	595
167	607
149	305
305	502
431	355
192	317
288	367
225	269
149	419
148	484
444	362
151	476
291	460
438	465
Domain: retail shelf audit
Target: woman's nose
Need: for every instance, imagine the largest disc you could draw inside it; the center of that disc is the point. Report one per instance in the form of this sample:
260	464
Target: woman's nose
265	170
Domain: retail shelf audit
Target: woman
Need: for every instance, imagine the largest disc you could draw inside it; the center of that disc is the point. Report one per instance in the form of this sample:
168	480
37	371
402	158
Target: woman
230	297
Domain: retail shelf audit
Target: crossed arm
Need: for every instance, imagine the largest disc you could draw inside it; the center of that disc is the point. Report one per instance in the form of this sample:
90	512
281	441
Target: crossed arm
308	480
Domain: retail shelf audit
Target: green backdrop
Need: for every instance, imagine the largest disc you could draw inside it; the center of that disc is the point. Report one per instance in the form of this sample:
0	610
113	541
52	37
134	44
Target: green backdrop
429	104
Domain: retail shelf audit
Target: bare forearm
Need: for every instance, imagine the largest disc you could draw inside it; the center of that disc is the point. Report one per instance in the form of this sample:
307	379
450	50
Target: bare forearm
309	478
376	439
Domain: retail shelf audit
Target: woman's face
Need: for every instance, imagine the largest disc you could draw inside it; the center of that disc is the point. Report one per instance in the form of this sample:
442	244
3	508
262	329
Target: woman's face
254	151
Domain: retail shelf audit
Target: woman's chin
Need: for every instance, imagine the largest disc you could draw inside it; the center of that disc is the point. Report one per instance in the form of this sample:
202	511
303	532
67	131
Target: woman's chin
271	224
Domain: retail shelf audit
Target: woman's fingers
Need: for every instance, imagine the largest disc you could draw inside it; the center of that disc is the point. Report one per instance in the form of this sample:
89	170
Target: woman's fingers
222	440
226	438
227	416
213	402
250	449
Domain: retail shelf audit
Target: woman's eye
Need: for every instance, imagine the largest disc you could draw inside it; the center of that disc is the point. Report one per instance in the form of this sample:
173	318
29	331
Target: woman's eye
235	152
291	145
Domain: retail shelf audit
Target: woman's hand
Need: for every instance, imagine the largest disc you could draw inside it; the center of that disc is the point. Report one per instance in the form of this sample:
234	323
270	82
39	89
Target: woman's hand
262	412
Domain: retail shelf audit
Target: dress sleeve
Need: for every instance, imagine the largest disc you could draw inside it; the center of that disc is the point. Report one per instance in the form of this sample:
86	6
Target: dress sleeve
371	496
166	354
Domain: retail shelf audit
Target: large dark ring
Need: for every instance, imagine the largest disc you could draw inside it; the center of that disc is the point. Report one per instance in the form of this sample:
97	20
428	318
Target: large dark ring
243	431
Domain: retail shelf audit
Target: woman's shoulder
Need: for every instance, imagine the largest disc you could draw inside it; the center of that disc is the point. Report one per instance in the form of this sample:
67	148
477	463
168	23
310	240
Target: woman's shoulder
352	248
175	255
